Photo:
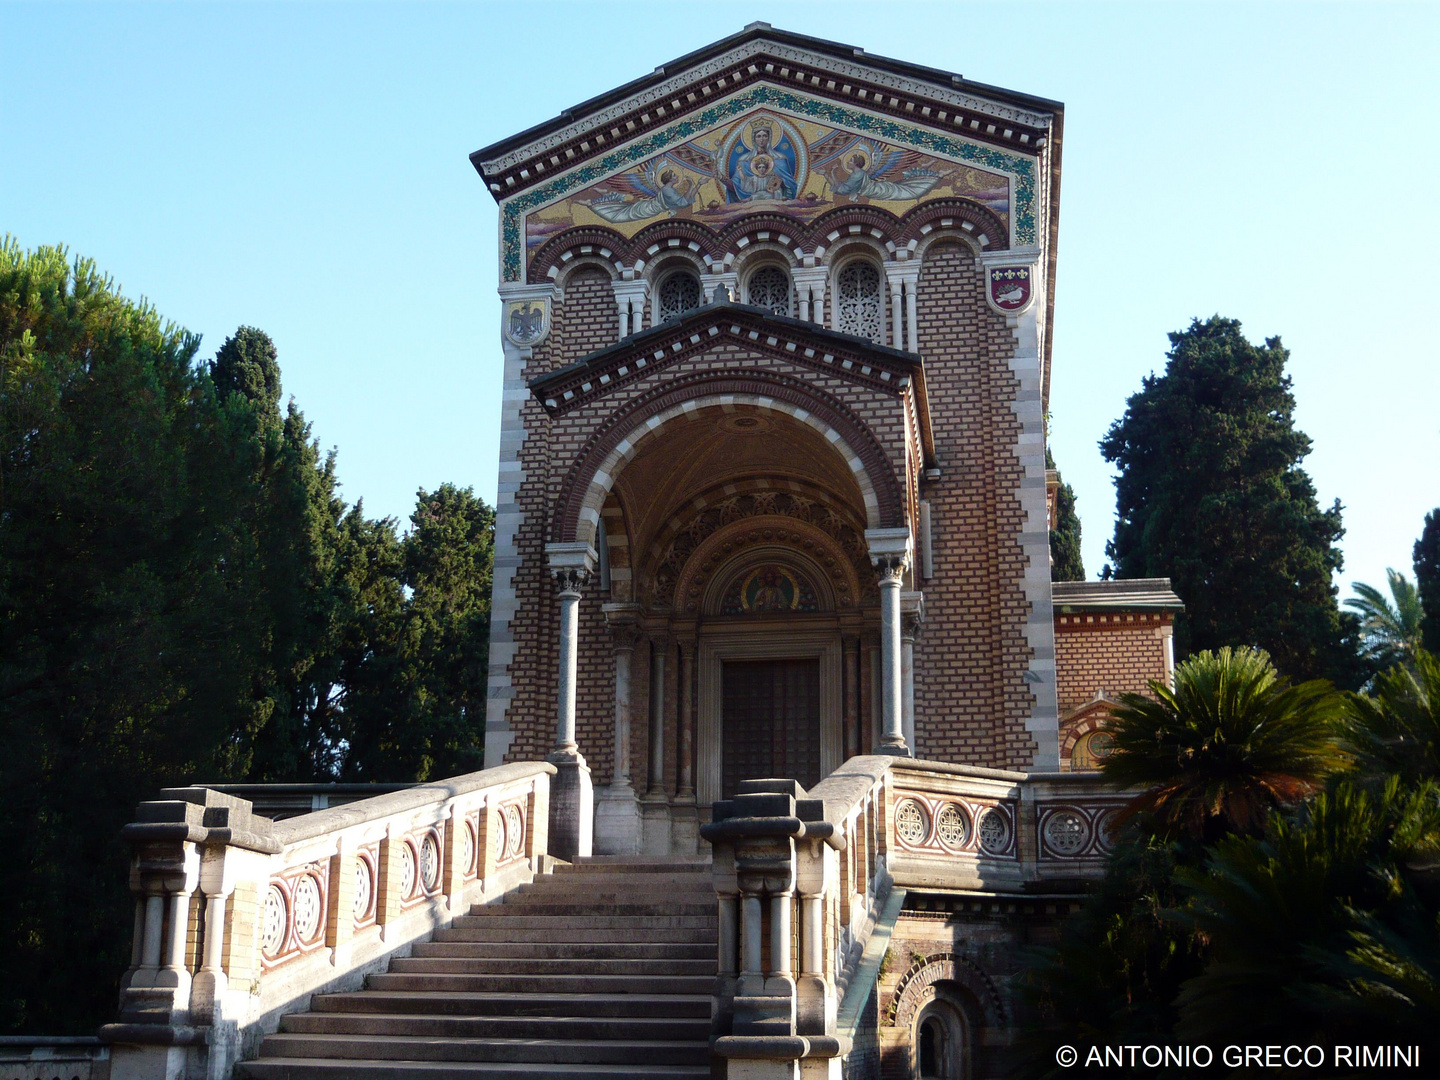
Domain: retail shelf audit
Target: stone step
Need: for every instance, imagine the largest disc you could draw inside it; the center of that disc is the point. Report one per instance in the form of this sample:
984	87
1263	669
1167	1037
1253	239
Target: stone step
579	904
499	1027
559	1051
463	965
551	921
565	931
278	1068
570	950
544	984
549	1004
636	863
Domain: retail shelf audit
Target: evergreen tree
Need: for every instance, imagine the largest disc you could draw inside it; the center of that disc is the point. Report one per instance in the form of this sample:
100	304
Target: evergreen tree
1066	562
1211	495
1427	581
126	636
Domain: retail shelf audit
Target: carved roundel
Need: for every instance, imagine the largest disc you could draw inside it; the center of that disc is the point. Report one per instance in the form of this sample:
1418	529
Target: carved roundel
276	921
407	871
994	831
1066	832
364	889
308	913
952	826
912	823
514	831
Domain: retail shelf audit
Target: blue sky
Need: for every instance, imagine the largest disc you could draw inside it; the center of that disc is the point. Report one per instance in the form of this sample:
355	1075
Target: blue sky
303	168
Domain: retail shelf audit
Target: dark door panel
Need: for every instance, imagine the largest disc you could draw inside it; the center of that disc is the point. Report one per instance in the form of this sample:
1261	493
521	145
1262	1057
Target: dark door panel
770	719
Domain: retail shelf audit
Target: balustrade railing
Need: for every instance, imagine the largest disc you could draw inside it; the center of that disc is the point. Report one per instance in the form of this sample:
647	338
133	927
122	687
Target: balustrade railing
240	919
803	879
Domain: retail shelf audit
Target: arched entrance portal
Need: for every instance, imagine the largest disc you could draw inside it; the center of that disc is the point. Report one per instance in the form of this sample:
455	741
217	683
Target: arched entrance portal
737	538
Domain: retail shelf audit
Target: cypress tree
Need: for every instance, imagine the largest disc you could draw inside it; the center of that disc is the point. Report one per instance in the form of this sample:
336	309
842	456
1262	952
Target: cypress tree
1427	581
1066	562
1211	494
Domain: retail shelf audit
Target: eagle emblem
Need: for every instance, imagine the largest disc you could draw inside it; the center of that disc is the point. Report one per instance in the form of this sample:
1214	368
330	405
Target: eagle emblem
526	321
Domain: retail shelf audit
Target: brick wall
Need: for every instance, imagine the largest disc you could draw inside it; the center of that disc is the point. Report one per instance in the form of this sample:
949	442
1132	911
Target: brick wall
1113	653
971	698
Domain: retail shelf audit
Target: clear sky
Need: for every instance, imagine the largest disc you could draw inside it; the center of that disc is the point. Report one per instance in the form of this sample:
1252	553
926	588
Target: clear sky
303	168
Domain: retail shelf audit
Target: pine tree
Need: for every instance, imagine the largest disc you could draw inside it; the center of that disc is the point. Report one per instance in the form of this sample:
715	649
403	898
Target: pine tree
1211	495
1427	581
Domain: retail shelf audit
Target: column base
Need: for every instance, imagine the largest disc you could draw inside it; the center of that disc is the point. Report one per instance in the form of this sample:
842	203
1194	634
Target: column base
685	827
617	820
572	806
655	825
893	749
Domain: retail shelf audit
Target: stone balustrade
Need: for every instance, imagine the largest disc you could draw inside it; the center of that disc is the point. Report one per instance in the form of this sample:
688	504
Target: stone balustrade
240	919
805	879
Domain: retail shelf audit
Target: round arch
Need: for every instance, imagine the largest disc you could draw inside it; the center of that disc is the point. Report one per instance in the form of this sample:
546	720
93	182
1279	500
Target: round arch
582	496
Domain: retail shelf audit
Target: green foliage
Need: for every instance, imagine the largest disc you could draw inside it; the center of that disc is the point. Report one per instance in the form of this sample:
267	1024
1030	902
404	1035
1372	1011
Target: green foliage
1427	580
1389	628
1396	727
1231	741
1211	495
184	596
1066	562
1306	925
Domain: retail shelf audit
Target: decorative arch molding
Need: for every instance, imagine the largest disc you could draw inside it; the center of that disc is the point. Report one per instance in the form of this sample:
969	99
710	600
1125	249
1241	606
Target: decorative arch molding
722	504
911	992
771	535
1087	718
720	249
617	440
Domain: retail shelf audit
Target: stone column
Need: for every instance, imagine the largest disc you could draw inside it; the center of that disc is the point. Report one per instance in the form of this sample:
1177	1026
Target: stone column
572	799
890	554
685	833
655	807
909	631
897	314
630	299
850	650
902	277
810	287
617	812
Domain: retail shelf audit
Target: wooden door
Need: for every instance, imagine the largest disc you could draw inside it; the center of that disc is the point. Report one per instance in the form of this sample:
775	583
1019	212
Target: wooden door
770	721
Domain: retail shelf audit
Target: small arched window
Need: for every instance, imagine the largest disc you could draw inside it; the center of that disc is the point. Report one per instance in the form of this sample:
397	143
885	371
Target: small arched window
859	303
1090	750
679	293
938	1049
769	287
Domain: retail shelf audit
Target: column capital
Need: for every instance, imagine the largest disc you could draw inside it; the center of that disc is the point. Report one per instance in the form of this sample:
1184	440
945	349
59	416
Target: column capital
912	615
906	272
890	552
571	565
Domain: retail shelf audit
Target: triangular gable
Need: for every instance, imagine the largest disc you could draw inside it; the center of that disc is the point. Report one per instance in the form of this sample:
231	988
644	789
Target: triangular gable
844	127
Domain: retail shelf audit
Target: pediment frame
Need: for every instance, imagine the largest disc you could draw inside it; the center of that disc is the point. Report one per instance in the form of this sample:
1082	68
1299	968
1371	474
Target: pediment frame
640	356
522	166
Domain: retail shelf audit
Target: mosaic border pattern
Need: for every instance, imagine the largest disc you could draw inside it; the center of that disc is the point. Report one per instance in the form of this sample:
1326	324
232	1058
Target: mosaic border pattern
1020	167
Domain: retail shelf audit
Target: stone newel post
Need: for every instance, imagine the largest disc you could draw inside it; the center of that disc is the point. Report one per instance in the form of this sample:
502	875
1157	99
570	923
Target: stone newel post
572	798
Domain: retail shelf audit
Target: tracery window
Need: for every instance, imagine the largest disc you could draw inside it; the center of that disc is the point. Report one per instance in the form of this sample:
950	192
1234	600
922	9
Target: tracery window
859	304
769	287
679	293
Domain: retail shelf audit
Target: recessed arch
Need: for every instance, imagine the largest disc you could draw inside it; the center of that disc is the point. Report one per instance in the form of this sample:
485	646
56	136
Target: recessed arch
578	508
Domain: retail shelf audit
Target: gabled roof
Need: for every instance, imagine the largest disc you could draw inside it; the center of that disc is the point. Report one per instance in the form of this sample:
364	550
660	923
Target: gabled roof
981	112
1129	594
855	359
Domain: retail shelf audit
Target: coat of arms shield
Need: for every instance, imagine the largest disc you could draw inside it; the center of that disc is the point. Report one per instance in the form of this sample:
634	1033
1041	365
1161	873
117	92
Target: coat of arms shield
527	321
1009	287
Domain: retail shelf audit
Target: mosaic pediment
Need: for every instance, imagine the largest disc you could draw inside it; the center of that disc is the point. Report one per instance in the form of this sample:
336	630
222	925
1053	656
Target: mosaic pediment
776	152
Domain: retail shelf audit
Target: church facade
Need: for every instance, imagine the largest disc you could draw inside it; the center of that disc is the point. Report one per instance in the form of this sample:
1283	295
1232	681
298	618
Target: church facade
777	325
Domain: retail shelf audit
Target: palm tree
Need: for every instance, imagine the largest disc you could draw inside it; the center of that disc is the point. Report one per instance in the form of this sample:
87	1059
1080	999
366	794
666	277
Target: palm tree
1396	727
1230	742
1391	630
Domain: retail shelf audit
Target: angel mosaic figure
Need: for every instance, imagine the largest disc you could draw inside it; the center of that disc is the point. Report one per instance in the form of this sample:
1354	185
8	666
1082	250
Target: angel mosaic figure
668	193
866	179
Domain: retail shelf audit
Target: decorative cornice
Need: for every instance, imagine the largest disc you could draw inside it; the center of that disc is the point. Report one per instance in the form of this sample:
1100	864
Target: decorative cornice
906	90
875	367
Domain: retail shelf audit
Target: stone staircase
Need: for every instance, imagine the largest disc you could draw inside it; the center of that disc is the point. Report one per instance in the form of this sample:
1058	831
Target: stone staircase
603	968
